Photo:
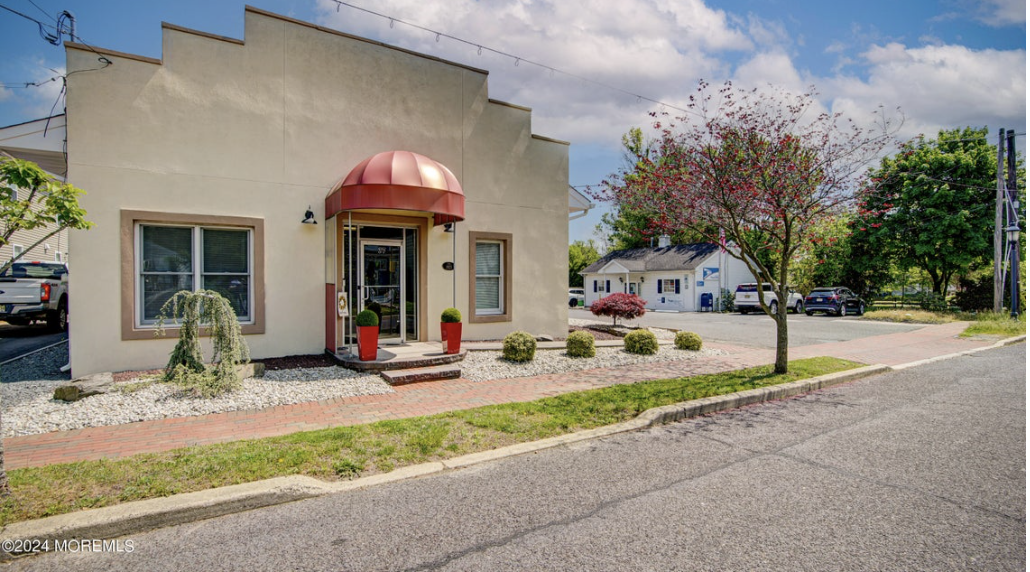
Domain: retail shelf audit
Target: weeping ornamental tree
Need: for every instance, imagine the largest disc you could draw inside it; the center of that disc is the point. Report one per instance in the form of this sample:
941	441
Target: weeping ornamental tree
762	168
207	309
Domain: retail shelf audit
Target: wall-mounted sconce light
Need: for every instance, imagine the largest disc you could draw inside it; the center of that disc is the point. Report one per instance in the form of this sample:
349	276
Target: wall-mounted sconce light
448	227
309	217
620	280
46	247
641	279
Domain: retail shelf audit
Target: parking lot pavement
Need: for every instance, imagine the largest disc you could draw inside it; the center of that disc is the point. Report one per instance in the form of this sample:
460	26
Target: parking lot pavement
759	330
16	341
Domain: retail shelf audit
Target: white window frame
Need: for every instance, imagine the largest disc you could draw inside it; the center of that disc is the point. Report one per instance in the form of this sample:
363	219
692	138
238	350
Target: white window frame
499	309
17	250
197	263
668	285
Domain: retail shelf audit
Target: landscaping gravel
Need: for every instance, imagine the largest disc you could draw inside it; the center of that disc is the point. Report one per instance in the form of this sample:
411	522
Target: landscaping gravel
28	406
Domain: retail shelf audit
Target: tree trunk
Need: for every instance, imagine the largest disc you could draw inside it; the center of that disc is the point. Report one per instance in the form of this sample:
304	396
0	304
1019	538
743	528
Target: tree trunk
781	340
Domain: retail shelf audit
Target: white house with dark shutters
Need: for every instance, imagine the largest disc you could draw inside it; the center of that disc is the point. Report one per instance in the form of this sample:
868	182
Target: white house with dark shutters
681	278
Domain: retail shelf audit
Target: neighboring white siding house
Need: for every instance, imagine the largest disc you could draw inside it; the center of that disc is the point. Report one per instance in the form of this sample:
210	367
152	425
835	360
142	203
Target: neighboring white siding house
42	142
673	278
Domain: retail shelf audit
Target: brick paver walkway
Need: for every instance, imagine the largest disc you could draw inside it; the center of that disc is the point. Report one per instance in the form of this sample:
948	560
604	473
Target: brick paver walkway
440	396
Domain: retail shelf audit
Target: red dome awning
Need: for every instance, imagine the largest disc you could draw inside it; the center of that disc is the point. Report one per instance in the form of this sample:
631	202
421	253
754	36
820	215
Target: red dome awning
400	180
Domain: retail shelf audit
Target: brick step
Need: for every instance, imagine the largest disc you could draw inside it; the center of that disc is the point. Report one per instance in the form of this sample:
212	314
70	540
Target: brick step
417	374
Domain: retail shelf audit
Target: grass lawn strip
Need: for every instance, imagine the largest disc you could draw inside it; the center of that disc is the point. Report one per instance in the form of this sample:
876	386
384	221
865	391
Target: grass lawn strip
983	323
342	453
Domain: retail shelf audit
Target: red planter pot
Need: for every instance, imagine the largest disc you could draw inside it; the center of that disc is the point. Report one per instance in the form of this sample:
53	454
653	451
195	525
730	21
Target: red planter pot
450	333
368	342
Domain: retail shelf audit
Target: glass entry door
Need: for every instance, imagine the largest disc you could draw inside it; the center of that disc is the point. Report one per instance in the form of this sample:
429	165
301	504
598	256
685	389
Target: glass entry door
382	264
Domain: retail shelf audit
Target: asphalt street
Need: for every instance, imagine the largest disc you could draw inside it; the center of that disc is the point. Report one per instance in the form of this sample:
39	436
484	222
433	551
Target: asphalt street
759	330
920	469
16	341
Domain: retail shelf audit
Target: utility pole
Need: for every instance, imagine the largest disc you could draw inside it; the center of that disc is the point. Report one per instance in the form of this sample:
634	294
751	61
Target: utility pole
1012	229
999	245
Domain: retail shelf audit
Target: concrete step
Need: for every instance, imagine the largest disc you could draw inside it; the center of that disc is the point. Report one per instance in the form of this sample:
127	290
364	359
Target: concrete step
417	374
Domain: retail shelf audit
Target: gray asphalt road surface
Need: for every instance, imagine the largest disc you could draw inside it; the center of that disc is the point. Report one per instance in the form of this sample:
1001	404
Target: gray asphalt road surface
921	469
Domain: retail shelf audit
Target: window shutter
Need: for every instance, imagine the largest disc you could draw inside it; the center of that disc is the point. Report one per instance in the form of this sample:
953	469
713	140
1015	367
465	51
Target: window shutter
607	286
595	285
659	285
677	285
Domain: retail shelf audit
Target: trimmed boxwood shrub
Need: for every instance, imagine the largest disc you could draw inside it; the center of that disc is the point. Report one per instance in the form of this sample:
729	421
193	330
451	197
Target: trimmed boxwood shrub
580	344
519	346
688	341
451	316
641	342
366	318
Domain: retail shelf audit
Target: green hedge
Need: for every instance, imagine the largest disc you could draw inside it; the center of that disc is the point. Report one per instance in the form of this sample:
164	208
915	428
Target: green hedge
519	347
641	342
580	344
688	341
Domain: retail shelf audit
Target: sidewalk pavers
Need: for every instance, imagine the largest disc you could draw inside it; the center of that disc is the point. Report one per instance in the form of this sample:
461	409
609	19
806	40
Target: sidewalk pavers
441	396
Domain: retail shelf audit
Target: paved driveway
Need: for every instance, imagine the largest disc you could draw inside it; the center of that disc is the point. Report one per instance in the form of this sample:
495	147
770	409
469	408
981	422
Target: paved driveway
19	340
759	330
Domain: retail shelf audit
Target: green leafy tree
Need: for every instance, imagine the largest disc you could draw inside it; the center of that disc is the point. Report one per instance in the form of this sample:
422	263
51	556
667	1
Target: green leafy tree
30	198
581	255
839	257
628	226
931	206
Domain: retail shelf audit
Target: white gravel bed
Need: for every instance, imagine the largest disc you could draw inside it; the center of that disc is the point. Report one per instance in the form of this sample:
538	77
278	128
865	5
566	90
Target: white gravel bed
28	407
483	366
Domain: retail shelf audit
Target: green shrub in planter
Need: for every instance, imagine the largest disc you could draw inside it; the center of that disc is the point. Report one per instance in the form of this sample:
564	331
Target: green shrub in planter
641	342
580	344
451	316
366	318
688	341
519	346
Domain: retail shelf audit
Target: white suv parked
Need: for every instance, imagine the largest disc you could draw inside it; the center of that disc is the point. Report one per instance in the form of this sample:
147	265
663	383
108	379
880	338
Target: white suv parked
746	299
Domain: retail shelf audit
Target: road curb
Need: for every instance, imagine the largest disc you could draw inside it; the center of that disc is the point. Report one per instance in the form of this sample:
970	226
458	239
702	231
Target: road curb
140	516
1001	343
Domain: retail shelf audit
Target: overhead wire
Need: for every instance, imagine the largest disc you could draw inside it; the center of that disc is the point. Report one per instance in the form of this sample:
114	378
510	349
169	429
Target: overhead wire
517	59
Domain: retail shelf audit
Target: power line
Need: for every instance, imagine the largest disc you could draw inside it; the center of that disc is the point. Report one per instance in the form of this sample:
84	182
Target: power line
517	59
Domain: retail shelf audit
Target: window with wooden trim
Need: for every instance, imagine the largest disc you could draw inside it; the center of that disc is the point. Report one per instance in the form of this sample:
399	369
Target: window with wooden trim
163	253
490	276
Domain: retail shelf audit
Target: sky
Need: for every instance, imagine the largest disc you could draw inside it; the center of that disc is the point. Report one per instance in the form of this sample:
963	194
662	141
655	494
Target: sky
593	69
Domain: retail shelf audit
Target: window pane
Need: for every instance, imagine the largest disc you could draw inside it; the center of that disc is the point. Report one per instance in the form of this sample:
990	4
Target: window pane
488	293
158	288
488	259
235	289
167	249
225	251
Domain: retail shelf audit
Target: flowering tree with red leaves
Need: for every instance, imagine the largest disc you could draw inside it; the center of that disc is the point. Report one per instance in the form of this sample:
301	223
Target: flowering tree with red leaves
619	305
764	168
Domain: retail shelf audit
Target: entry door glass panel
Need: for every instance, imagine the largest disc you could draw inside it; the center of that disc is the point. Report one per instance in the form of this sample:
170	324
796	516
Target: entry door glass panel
382	280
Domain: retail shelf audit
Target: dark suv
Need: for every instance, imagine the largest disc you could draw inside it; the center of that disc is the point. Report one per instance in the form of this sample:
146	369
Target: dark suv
836	300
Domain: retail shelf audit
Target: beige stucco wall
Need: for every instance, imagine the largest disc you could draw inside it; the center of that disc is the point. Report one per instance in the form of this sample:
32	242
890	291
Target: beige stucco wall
264	128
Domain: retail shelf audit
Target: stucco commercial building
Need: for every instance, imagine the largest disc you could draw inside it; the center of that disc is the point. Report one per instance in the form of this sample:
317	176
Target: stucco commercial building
201	169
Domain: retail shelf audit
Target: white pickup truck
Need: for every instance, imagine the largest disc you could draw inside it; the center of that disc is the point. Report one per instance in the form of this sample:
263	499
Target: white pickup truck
746	299
35	292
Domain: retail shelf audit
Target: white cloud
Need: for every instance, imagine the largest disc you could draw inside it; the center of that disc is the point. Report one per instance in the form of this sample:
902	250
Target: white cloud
1000	13
660	48
939	86
655	48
